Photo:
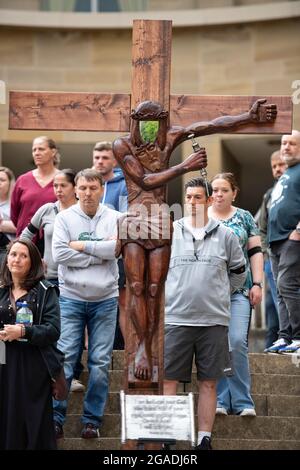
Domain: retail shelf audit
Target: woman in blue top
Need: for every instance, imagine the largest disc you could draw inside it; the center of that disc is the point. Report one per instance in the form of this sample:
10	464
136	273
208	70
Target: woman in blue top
234	392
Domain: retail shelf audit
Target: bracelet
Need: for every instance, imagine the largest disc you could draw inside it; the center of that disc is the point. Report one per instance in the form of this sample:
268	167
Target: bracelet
259	284
22	331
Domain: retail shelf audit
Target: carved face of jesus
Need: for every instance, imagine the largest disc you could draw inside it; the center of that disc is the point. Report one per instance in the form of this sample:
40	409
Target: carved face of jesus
149	156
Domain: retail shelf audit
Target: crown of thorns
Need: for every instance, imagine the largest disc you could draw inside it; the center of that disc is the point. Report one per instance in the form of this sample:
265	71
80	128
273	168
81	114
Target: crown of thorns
149	110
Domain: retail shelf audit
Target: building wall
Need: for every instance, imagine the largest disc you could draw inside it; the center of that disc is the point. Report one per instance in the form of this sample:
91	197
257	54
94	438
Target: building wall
133	5
251	58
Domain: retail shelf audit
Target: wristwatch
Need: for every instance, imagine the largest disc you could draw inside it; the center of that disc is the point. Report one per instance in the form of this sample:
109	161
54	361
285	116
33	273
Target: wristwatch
298	229
259	284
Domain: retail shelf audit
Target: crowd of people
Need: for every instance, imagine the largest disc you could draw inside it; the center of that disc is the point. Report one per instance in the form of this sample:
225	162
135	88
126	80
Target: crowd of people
62	288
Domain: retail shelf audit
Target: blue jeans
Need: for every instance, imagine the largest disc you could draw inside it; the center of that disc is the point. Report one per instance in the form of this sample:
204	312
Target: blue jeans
272	321
234	392
271	305
100	319
78	366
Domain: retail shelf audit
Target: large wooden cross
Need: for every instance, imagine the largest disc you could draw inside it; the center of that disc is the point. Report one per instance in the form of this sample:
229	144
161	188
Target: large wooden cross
151	61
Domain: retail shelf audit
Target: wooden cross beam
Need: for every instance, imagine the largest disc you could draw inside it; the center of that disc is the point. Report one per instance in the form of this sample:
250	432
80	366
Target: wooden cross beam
51	111
151	63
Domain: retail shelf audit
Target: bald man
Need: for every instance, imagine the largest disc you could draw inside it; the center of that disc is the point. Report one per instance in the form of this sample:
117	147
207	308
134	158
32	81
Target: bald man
284	238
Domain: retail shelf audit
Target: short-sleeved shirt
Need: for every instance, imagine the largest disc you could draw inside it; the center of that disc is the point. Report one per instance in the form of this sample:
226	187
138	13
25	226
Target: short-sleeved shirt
284	213
243	225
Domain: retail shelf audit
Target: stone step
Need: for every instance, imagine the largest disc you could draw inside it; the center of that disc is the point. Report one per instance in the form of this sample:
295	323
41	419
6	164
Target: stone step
284	364
263	384
276	393
283	405
76	443
110	443
265	405
225	427
259	363
261	427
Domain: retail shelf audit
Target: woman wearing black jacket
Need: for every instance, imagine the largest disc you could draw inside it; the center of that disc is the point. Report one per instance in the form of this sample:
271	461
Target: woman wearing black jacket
26	419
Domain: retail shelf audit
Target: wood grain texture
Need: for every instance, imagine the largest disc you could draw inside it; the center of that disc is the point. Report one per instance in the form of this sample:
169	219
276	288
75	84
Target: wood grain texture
187	109
69	111
131	383
110	112
151	62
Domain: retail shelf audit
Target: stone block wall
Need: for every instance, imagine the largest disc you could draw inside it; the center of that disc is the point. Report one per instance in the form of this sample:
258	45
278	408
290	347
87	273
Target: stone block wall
254	58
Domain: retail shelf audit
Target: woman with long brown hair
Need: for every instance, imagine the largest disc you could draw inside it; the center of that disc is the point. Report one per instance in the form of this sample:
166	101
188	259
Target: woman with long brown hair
29	327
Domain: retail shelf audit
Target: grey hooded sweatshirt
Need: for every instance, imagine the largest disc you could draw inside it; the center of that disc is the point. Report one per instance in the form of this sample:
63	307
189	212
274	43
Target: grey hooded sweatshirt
202	275
91	275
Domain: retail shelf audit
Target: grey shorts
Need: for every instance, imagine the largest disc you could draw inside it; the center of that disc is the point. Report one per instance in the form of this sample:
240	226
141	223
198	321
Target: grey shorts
209	345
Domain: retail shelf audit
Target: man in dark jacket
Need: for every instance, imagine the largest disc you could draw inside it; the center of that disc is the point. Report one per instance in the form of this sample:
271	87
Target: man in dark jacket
278	167
114	196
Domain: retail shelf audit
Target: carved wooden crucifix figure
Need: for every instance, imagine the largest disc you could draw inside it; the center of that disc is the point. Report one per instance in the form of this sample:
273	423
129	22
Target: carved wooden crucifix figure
146	168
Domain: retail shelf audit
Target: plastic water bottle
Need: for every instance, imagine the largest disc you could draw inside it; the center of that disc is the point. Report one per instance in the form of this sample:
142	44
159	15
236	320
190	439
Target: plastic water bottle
24	316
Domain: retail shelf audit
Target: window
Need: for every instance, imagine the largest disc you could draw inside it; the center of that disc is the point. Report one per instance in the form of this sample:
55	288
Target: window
93	5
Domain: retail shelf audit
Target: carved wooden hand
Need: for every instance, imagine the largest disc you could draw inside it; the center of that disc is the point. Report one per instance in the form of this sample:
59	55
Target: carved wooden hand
263	113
